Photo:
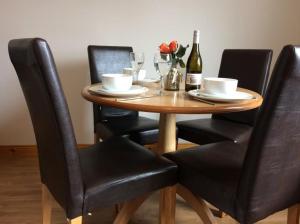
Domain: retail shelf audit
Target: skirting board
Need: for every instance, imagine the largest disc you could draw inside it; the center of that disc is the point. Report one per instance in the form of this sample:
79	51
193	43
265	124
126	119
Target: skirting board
24	149
31	149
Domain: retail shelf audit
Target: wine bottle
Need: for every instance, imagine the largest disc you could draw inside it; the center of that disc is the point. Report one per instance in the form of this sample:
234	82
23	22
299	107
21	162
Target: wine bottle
194	66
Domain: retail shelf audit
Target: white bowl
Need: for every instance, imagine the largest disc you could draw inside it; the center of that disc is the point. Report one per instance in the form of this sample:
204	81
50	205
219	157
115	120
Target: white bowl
219	85
117	82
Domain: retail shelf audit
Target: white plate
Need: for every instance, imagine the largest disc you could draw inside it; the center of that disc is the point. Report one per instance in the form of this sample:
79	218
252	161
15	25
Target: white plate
133	91
149	80
236	96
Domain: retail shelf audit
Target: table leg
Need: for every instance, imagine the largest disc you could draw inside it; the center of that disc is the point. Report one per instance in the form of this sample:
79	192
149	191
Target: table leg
167	205
167	143
167	133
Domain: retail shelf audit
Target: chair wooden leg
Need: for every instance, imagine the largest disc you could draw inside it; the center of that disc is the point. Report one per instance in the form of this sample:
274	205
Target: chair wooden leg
293	214
118	208
77	220
128	209
46	204
217	212
167	205
197	204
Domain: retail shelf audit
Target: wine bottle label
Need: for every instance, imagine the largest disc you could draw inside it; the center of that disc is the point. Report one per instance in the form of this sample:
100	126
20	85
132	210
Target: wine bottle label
193	78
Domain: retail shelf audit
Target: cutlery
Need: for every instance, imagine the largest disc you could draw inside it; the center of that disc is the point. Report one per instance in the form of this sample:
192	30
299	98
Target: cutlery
204	101
135	98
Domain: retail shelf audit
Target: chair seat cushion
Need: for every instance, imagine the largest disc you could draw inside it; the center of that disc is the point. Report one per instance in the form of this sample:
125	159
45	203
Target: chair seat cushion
139	129
204	131
118	169
211	172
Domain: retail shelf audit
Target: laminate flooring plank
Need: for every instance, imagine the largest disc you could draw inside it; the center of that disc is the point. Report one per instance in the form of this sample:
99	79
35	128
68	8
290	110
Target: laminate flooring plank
20	199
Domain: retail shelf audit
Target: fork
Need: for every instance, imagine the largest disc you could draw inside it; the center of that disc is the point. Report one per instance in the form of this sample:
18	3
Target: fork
135	98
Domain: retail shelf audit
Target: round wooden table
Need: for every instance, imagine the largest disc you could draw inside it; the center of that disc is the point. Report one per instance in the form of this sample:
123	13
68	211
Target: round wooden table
168	105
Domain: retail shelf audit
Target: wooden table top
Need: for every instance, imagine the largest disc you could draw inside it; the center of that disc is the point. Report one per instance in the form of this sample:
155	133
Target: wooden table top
177	102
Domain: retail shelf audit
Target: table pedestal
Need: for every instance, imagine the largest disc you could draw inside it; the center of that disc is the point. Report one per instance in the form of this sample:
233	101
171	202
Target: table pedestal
167	205
167	133
167	143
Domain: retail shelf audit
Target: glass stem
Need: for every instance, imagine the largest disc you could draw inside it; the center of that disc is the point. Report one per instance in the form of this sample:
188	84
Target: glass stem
161	85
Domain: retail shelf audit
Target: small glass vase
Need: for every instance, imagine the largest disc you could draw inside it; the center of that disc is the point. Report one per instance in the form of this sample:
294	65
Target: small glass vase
172	79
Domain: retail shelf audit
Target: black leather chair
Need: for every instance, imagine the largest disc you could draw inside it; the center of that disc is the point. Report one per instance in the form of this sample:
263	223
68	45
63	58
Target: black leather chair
103	174
109	121
251	181
251	68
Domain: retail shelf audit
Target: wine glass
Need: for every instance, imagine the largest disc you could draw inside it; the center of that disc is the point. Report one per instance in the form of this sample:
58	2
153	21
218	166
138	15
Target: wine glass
162	65
137	60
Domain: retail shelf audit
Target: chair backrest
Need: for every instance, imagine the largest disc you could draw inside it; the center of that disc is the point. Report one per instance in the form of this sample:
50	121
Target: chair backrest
57	148
270	178
108	59
251	68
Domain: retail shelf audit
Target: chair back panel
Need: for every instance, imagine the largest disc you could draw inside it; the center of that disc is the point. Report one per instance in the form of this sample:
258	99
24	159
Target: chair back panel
271	174
251	68
108	59
58	158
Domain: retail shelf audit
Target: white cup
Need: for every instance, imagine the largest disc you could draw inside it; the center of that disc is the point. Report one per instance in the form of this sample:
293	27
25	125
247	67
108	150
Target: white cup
117	82
219	85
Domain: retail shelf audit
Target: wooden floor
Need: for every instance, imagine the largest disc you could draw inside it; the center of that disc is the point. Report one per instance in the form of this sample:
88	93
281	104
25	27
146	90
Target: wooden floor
20	199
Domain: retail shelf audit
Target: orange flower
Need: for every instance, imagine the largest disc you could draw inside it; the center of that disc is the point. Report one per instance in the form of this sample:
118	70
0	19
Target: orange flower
173	46
164	48
176	50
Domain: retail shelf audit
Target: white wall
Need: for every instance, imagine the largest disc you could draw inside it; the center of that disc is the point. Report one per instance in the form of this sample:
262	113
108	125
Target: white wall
70	25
